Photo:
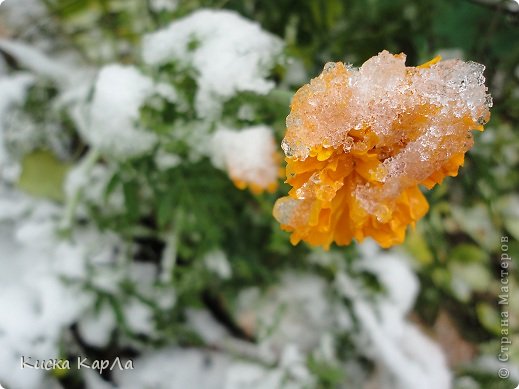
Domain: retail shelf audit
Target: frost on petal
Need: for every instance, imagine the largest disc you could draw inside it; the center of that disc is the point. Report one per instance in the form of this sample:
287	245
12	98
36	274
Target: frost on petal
248	155
112	126
359	142
228	53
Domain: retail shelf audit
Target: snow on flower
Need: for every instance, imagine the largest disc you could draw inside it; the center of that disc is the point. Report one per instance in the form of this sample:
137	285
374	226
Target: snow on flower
228	53
248	155
359	142
111	125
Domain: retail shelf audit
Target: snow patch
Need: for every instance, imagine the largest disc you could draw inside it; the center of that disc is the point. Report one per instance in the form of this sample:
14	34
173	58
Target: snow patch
216	262
37	306
175	368
228	53
120	91
406	358
13	91
96	328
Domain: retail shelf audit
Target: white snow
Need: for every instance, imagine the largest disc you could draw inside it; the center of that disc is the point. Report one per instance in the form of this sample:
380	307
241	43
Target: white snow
290	317
167	91
248	155
96	328
12	91
21	15
216	261
91	182
296	74
164	5
175	368
36	305
245	375
38	63
195	134
119	93
406	357
165	160
229	54
395	275
206	326
138	316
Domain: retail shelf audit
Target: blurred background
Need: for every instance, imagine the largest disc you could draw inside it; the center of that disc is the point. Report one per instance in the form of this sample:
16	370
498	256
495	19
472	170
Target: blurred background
135	225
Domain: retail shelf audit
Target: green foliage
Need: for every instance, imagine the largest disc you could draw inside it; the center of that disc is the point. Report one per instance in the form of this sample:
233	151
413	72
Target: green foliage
329	376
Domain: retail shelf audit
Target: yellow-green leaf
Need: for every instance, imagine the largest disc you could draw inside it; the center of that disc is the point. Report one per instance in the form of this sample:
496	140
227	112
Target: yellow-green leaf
43	175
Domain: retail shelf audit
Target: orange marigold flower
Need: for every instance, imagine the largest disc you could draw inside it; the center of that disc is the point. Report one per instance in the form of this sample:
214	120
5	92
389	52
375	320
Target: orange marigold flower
359	142
249	156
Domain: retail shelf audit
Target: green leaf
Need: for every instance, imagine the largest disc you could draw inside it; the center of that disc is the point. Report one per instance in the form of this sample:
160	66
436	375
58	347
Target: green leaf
489	317
469	277
509	207
131	199
468	253
43	175
418	247
112	184
476	221
328	373
164	210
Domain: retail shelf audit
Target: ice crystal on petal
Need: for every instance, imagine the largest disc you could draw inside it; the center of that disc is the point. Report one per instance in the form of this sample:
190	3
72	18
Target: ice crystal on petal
372	135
